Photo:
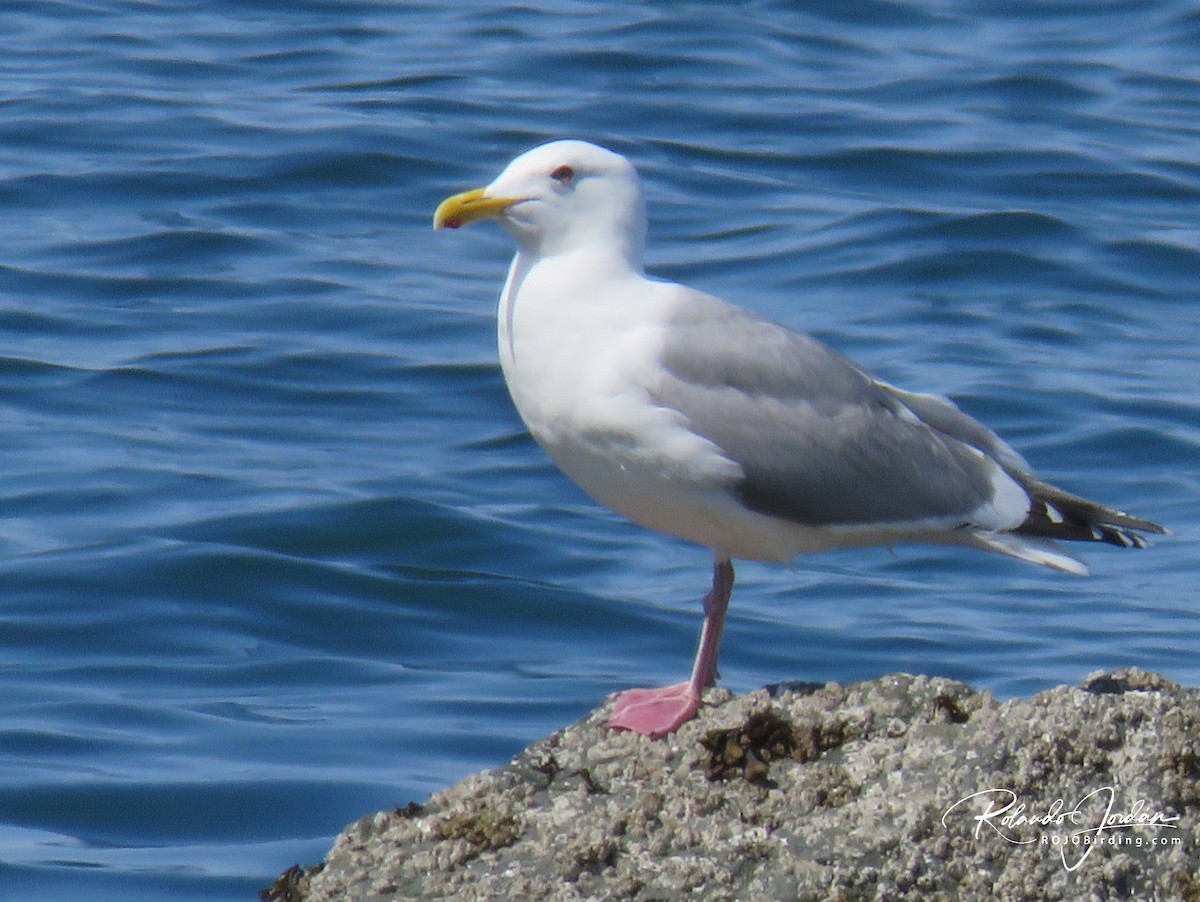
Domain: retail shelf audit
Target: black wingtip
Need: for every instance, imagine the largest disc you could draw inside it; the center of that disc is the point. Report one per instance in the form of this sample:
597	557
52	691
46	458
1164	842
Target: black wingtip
1055	514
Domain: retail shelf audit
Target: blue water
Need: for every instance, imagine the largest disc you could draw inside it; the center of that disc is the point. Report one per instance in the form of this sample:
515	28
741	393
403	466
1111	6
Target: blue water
274	548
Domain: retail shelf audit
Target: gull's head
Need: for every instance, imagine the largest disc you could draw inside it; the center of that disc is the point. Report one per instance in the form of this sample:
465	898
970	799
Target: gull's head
559	197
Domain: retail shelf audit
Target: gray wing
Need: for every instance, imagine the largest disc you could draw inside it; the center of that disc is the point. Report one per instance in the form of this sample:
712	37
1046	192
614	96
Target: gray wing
820	442
943	415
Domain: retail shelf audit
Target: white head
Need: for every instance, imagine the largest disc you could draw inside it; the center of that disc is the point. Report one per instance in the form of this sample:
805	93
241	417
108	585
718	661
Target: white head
557	198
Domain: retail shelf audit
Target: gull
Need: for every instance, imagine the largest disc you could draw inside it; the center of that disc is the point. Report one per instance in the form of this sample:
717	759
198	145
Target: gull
700	419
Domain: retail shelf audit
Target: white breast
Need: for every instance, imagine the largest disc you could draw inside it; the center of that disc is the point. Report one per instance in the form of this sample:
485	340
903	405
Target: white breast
579	352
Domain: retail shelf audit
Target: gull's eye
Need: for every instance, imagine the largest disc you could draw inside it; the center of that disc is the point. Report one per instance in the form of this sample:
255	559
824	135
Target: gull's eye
562	174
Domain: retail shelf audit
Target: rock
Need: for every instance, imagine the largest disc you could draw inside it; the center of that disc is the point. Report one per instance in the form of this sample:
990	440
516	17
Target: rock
901	788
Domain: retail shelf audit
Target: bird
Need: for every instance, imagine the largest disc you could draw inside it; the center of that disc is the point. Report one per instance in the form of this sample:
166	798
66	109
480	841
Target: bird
704	420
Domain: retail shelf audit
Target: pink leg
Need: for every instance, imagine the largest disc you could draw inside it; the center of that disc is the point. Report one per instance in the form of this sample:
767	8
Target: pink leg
656	712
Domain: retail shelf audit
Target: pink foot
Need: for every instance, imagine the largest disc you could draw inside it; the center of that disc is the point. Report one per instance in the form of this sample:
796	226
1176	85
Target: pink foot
654	712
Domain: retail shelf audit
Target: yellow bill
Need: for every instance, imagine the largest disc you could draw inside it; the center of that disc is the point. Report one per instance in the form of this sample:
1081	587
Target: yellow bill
468	207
